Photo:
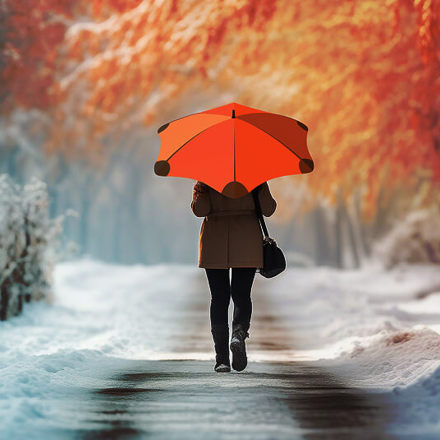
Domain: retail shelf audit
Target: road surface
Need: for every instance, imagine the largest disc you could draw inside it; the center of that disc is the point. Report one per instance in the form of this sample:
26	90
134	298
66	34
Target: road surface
180	396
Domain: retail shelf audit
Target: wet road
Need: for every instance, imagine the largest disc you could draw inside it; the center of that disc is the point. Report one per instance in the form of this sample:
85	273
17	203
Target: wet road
184	398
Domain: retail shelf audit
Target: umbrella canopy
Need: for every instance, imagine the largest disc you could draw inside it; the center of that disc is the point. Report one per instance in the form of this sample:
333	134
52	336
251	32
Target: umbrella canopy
233	148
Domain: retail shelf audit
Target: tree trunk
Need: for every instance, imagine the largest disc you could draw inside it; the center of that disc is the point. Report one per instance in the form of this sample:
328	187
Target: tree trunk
361	227
84	221
322	251
353	243
339	232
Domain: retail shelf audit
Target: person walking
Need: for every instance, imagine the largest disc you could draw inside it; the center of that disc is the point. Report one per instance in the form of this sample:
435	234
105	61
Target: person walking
230	237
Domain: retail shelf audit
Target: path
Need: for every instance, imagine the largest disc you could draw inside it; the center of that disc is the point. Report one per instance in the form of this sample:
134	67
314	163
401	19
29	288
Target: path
186	399
127	353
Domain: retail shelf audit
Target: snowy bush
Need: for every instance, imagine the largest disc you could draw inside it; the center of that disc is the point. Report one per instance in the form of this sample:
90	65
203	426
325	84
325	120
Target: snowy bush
28	240
415	239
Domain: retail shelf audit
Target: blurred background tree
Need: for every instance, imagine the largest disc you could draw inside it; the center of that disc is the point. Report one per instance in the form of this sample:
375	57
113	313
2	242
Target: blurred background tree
84	88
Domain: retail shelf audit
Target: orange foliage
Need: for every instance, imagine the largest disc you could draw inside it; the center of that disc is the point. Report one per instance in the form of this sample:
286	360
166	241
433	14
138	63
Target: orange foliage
32	31
363	75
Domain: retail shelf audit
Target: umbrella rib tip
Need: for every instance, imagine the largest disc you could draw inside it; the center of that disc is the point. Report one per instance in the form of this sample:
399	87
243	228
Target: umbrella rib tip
306	165
303	126
162	127
162	168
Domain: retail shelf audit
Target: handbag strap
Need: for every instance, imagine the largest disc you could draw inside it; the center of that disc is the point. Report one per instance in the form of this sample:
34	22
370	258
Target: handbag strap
258	209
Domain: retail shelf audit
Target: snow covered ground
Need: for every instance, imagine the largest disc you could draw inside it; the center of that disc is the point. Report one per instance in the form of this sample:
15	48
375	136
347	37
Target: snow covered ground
379	327
375	330
102	315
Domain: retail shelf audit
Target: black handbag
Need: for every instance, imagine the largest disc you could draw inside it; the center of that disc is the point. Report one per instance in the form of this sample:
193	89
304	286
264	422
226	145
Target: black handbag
273	257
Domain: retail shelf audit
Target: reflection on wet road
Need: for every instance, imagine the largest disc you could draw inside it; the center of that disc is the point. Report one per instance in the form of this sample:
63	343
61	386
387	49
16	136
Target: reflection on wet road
183	398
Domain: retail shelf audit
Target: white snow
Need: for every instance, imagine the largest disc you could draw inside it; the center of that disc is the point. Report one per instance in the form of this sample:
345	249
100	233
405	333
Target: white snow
370	328
370	321
28	243
102	314
367	326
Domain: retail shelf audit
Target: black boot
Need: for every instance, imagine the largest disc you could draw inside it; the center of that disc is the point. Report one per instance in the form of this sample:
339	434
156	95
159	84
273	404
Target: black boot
238	347
220	334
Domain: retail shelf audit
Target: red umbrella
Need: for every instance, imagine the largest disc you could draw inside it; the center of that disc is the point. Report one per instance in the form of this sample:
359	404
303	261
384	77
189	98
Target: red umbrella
233	148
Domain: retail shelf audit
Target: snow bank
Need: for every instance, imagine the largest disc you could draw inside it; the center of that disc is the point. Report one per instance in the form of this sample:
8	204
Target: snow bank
420	402
369	321
370	327
103	315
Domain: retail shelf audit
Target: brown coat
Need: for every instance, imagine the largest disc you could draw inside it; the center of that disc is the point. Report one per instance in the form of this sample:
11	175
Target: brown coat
230	235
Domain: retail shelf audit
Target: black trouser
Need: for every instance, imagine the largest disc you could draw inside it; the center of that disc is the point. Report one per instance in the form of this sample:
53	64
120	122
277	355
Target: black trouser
222	290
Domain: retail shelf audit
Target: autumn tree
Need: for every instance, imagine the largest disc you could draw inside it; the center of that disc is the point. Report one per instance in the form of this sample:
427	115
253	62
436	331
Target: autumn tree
363	75
31	34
